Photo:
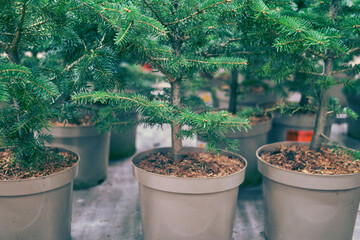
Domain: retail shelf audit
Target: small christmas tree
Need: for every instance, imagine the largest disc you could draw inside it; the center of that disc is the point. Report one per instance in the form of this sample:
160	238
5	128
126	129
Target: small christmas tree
26	92
173	37
319	38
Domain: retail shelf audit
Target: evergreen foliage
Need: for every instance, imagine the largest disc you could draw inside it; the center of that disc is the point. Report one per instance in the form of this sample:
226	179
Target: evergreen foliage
173	37
320	38
27	94
49	50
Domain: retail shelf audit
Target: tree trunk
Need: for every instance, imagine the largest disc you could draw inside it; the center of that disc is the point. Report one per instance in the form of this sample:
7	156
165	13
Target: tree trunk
321	114
175	128
233	91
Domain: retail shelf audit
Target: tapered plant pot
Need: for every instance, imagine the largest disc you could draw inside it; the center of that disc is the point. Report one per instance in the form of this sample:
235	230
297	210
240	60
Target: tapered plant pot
307	206
298	127
37	209
248	142
249	99
354	125
93	149
186	208
123	142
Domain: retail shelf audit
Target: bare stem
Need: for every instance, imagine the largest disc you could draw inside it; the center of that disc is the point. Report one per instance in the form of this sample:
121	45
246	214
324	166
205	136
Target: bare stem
13	49
321	114
328	69
175	139
233	90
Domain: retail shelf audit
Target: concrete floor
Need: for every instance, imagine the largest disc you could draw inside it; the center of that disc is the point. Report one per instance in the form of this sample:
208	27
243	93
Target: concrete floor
111	210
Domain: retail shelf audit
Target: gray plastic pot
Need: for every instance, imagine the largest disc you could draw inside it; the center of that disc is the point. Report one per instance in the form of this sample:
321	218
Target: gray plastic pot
307	206
37	209
250	99
248	142
123	143
186	208
354	125
298	127
93	149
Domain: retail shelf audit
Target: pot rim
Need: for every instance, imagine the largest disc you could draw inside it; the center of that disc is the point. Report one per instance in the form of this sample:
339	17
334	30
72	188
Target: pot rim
13	186
188	185
295	142
161	149
305	180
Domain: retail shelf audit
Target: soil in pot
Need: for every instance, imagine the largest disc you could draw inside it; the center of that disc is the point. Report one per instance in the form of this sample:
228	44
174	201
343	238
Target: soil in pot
54	162
196	165
300	158
191	199
308	195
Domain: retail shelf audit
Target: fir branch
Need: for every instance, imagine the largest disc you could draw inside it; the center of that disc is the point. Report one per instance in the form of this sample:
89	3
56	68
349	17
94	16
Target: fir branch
353	50
203	62
215	63
8	34
344	150
152	26
42	87
315	53
163	71
289	42
14	70
17	37
196	13
155	13
37	24
355	67
312	73
68	67
102	16
125	32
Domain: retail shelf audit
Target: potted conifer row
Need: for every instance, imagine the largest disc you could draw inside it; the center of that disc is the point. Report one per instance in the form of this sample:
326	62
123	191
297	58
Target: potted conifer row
185	193
35	180
312	191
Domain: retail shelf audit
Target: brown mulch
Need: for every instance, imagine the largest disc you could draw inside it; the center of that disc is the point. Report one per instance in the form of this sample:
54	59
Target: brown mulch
12	171
258	119
86	121
194	165
302	159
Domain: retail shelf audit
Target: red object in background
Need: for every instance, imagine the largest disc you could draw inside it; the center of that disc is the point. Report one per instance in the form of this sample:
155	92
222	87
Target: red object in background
147	67
300	136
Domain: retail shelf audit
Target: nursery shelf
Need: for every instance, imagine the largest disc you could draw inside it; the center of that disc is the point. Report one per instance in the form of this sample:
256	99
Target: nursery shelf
111	209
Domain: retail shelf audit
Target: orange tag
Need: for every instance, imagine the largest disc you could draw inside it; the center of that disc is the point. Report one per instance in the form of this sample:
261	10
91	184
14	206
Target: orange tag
300	136
201	144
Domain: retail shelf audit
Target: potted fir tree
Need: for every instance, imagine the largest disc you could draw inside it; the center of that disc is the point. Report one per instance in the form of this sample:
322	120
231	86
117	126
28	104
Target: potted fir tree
87	60
78	64
35	180
177	200
239	101
316	185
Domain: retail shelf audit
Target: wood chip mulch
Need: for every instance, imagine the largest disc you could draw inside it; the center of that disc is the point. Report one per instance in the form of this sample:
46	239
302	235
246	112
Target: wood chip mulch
12	171
256	119
302	159
194	165
86	121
